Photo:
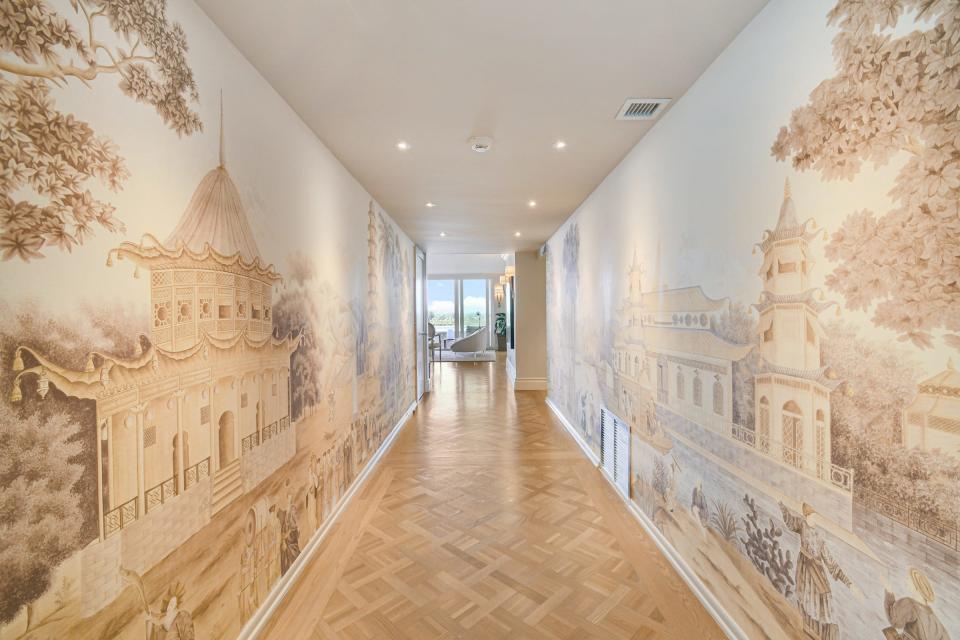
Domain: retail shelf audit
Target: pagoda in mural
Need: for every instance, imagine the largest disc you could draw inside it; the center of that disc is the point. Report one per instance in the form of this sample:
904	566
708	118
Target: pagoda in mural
632	388
792	386
931	421
200	414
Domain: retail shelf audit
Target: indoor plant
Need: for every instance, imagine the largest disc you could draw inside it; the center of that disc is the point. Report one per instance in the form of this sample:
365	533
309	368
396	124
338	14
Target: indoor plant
500	328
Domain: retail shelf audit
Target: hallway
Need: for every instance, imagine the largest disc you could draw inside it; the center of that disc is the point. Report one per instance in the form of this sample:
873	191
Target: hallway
485	520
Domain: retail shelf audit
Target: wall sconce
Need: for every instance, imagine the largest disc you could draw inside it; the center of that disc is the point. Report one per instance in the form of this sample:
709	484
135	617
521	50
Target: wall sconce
510	271
504	280
498	294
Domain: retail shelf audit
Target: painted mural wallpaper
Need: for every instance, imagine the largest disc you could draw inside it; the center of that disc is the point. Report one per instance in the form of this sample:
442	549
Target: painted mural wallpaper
205	326
774	308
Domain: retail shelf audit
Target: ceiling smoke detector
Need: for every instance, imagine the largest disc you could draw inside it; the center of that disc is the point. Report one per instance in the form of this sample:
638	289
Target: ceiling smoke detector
481	144
642	108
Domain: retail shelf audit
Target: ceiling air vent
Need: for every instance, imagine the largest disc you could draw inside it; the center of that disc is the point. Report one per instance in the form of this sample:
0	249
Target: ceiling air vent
642	108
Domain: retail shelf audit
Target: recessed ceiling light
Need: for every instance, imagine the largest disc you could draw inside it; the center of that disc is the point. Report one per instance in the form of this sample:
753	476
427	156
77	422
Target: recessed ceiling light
559	144
431	205
443	234
532	204
403	146
481	144
516	234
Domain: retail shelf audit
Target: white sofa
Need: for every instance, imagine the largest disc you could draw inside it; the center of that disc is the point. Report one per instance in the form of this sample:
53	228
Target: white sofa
475	342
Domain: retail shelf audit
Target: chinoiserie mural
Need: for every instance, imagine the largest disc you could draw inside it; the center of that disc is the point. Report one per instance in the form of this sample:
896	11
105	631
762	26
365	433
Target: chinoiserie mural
171	442
799	448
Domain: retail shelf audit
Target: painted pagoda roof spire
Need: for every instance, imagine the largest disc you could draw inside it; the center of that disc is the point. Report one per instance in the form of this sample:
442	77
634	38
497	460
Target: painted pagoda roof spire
214	226
788	225
215	216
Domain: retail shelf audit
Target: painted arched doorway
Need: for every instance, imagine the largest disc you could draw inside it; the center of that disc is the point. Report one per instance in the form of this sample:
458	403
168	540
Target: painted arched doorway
226	434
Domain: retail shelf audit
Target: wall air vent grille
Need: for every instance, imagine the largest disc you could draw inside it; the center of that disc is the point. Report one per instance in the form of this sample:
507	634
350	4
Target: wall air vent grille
615	450
642	108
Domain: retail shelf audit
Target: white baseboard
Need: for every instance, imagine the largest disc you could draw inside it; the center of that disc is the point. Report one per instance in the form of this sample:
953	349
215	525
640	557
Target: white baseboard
706	597
530	384
258	622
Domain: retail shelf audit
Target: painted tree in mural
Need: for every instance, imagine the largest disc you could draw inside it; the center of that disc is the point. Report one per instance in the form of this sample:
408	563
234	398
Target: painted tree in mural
53	154
48	472
40	516
737	324
892	94
866	427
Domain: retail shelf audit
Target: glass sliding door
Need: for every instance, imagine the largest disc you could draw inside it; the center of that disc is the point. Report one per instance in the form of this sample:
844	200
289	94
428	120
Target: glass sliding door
474	303
423	336
458	307
442	307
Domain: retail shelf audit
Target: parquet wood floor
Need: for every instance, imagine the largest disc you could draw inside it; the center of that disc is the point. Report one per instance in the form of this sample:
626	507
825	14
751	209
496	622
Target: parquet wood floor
485	521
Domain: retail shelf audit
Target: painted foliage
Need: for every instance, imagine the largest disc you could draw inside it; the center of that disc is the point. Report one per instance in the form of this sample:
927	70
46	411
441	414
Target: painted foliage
795	414
184	407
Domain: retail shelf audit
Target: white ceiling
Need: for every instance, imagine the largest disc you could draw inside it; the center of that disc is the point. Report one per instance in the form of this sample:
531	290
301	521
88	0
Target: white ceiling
365	74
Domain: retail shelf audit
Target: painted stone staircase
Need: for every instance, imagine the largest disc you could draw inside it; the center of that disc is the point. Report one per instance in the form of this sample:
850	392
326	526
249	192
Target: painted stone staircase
227	486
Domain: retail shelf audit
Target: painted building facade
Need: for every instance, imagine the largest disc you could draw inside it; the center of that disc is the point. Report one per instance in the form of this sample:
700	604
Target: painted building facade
201	413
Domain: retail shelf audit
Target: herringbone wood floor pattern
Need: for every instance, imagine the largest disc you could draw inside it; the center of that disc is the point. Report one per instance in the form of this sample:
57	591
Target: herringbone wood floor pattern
486	521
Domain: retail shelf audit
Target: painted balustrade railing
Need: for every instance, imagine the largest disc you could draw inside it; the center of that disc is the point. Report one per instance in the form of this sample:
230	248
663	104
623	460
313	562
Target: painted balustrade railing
157	495
257	438
250	442
838	476
120	516
942	531
196	473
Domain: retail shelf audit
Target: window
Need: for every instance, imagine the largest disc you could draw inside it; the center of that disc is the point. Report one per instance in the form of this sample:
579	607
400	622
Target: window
161	314
458	307
185	311
681	392
206	308
792	434
473	305
205	415
717	396
241	309
243	400
223	312
697	389
255	312
442	308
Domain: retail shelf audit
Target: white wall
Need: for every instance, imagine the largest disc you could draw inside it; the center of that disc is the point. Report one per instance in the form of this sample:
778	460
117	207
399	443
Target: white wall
465	263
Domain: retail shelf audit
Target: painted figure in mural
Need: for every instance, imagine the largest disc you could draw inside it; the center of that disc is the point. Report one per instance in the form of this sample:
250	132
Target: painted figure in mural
315	491
310	499
173	623
698	505
814	565
170	622
912	618
329	482
289	531
248	574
